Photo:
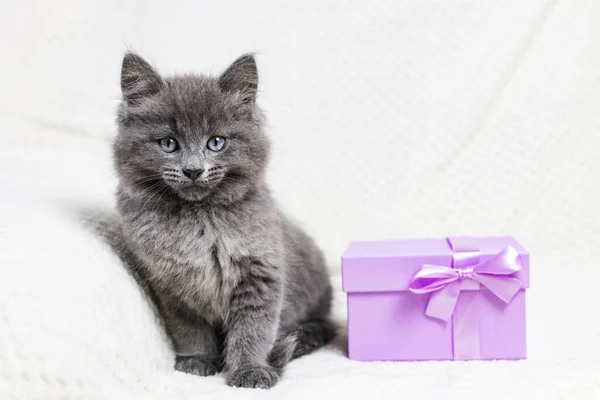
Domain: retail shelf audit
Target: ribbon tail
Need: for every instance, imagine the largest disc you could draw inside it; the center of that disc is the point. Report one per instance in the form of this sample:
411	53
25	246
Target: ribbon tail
441	303
465	333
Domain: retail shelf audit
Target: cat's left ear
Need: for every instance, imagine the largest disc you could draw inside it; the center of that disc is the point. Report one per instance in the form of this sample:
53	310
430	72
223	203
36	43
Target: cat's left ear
241	77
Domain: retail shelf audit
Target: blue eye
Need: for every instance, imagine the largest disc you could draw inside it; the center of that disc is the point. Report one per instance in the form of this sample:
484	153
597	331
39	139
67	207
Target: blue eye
168	144
216	143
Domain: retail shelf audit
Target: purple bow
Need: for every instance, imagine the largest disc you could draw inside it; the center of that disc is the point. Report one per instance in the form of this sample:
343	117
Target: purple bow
445	283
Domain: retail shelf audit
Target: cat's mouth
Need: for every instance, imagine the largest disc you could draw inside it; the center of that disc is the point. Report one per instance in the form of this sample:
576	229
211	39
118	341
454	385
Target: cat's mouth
197	189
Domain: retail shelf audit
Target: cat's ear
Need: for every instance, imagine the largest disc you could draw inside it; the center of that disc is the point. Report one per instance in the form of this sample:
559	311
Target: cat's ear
241	77
138	79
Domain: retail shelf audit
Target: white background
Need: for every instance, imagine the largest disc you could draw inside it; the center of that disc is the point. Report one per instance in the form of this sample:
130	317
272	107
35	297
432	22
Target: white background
388	118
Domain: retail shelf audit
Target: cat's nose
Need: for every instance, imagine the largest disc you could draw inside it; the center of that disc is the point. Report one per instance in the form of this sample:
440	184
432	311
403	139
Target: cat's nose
193	174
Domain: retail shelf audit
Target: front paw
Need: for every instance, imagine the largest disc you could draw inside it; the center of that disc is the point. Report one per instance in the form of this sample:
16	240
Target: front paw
196	365
253	377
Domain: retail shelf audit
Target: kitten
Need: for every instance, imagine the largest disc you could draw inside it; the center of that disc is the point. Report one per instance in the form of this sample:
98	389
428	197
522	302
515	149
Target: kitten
240	287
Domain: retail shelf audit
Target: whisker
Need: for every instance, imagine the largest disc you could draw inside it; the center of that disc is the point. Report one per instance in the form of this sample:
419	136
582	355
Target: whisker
215	173
152	187
213	178
147	179
153	195
229	179
164	190
144	185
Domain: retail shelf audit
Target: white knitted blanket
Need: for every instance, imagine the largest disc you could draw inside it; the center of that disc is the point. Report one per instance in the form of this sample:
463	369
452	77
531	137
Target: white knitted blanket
389	119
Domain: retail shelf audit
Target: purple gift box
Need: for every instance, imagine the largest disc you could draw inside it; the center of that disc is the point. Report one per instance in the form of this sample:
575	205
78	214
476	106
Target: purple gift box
458	298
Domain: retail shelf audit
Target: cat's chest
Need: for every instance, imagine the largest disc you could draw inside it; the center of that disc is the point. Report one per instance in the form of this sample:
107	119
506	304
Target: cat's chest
189	255
183	236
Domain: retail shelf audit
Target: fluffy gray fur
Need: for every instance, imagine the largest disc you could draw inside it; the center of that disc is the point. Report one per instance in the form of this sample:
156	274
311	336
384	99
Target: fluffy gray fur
240	287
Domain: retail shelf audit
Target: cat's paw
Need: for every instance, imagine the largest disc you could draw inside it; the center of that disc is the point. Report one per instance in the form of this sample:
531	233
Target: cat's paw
263	377
196	365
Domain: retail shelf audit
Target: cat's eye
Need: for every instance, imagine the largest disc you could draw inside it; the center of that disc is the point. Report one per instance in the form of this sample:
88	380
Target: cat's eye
168	144
216	143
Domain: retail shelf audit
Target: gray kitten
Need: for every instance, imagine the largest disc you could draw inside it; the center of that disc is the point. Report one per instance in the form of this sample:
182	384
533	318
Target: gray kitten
240	287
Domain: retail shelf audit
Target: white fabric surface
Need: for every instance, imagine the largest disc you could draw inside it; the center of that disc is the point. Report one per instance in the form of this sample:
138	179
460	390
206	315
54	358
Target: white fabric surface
389	119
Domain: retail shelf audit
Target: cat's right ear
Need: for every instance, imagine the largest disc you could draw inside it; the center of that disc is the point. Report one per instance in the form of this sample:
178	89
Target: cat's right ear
138	79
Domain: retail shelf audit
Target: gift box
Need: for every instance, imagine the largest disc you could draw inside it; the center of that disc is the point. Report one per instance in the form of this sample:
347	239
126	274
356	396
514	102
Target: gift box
456	298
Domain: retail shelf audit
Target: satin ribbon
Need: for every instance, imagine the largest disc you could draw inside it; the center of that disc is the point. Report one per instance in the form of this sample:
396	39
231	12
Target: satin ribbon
445	283
467	276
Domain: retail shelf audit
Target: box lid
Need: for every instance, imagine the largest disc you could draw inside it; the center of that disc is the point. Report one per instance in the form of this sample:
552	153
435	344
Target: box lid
389	265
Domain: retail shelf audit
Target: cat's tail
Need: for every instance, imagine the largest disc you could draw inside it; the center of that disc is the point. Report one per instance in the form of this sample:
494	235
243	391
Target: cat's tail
310	336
